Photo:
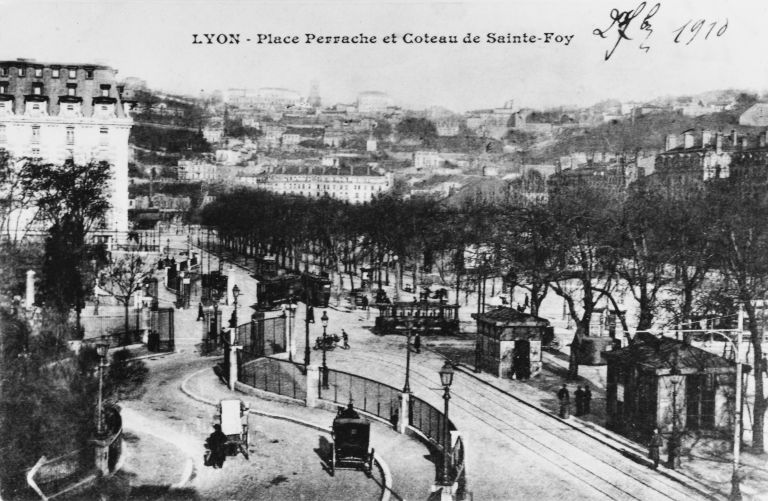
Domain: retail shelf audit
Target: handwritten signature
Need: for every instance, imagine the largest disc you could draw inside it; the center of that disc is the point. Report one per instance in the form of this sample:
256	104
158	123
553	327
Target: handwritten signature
622	20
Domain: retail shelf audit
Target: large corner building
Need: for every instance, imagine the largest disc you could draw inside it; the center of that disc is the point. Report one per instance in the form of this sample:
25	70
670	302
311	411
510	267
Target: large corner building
59	111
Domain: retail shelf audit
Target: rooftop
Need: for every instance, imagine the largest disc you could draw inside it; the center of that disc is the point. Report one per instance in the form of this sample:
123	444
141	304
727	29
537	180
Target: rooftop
664	356
506	315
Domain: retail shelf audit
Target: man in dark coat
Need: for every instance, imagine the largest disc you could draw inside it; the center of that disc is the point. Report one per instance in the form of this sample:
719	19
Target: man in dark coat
565	402
417	343
217	443
654	447
579	394
200	314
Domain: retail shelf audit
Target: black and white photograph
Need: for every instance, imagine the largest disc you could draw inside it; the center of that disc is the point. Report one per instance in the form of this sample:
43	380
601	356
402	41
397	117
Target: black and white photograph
383	250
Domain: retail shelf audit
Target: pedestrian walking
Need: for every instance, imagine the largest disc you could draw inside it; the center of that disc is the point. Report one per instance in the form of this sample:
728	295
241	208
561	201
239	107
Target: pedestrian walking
654	447
564	396
395	418
345	338
364	302
417	343
587	400
217	444
579	395
200	315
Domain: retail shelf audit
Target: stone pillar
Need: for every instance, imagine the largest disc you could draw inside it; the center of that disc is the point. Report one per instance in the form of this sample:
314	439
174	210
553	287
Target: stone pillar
29	300
101	455
145	321
230	284
232	354
405	404
313	382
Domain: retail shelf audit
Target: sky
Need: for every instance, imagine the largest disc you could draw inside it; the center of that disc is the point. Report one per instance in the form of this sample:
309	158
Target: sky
152	40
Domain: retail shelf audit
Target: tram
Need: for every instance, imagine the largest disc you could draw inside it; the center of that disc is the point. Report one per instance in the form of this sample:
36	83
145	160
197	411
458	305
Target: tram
425	316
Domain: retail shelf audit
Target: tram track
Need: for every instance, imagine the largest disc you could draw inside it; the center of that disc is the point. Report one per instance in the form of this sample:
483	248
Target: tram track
561	452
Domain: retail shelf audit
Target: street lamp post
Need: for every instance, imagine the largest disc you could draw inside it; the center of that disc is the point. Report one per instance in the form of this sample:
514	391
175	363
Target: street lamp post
102	349
324	321
407	385
446	378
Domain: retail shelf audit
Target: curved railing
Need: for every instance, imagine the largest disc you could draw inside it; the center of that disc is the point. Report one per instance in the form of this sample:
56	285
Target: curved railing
368	395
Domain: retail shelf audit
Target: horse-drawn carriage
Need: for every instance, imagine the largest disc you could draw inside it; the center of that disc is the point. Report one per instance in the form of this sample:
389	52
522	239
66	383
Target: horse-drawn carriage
329	342
351	437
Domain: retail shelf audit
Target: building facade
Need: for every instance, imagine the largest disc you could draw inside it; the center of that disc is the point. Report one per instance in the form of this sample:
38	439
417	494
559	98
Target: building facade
374	102
351	184
189	170
53	112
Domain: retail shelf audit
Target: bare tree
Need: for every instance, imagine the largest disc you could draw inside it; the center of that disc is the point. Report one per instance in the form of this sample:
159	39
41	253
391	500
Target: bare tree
124	277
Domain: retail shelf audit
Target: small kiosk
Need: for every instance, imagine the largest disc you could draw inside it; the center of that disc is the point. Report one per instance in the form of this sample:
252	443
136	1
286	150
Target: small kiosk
670	385
509	342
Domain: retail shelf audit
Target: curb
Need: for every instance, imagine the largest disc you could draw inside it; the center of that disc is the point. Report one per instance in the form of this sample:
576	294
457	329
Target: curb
594	434
383	466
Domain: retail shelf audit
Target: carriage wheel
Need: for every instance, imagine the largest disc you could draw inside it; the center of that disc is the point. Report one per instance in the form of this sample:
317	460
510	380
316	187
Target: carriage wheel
333	459
246	443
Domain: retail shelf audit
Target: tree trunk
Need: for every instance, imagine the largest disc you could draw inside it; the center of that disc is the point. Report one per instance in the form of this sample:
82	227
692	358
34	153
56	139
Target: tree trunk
645	321
127	334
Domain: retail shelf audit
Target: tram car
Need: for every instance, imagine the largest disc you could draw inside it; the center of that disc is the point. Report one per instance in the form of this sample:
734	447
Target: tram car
351	435
425	316
276	290
316	289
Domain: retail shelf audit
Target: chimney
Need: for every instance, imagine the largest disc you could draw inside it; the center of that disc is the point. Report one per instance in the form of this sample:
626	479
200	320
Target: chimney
671	142
734	138
351	170
763	139
718	143
706	138
368	172
744	143
687	140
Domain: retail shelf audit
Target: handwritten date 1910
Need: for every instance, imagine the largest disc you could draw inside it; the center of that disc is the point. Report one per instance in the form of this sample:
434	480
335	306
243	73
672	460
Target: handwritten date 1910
691	33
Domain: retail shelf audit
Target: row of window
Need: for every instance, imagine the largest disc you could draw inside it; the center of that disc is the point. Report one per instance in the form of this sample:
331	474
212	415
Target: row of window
329	187
37	89
38	72
103	135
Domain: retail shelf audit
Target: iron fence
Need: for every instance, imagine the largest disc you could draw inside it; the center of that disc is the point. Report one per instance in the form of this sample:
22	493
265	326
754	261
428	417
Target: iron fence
262	337
428	420
272	374
366	394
